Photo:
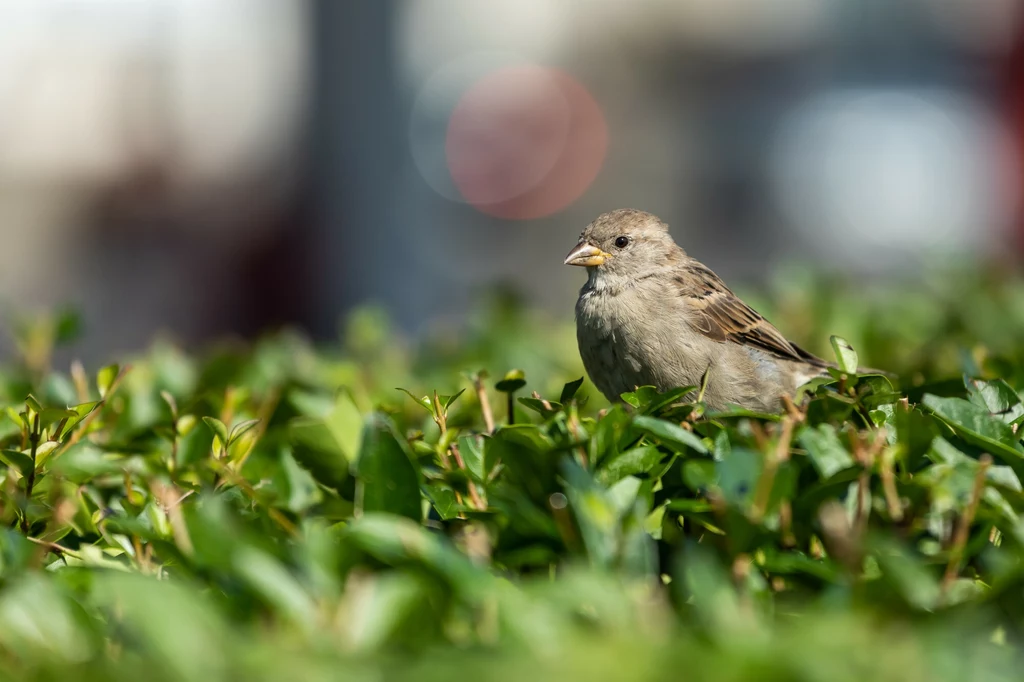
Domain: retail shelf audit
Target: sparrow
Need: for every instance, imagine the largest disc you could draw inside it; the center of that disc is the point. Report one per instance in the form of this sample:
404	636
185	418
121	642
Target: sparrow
649	314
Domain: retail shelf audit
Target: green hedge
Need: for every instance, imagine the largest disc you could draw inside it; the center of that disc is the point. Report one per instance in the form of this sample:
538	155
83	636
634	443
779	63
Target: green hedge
276	510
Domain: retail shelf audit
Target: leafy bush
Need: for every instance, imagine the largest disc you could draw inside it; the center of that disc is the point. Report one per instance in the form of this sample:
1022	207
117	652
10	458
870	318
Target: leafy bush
280	511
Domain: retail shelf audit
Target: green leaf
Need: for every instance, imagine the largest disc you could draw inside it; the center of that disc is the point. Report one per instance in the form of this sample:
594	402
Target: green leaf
17	460
997	397
639	460
398	541
179	629
699	474
171	403
447	400
443	498
315	447
512	381
738	475
846	356
538	406
825	450
471	448
238	430
668	433
84	461
52	415
663	400
388	481
33	404
44	450
906	574
976	425
526	454
13	415
345	422
105	379
276	586
608	435
642	397
423	402
569	390
218	428
594	511
80	413
812	386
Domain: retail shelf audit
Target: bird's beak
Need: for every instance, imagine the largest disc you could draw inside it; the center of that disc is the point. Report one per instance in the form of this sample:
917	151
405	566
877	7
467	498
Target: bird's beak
586	254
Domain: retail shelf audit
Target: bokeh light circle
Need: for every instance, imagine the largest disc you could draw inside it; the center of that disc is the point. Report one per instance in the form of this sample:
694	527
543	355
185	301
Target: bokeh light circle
506	133
890	174
432	108
519	140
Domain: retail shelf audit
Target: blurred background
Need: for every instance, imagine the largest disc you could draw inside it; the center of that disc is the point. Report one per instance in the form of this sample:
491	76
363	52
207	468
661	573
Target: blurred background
212	167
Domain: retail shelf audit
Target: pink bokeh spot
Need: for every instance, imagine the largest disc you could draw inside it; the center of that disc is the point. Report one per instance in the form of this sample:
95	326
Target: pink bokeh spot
525	142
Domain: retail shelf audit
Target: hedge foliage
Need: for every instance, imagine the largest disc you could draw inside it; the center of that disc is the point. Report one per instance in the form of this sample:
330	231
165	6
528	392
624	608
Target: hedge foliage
278	510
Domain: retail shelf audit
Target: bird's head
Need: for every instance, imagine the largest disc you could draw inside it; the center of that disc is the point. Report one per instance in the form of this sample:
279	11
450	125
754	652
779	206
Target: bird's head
625	242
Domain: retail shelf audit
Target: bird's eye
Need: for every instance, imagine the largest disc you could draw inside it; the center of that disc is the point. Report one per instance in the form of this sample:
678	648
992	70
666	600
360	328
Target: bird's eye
622	242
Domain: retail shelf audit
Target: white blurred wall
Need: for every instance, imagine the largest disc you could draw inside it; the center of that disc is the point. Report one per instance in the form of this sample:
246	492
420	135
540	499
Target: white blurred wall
96	94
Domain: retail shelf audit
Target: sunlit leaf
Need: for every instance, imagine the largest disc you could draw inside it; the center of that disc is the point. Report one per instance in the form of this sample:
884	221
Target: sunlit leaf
846	356
669	433
105	379
217	427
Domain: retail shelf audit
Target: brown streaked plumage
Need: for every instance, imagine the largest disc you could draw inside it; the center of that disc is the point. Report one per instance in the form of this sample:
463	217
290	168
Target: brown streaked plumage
724	317
650	314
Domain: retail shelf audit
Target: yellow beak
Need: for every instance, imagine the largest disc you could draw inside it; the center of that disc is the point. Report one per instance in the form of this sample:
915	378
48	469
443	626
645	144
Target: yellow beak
586	254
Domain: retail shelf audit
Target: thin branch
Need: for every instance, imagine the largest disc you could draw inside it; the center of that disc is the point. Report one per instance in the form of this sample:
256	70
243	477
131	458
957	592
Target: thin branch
485	404
442	424
963	529
892	497
762	494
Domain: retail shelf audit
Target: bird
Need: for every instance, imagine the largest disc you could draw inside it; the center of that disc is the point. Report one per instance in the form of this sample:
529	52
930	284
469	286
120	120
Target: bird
649	314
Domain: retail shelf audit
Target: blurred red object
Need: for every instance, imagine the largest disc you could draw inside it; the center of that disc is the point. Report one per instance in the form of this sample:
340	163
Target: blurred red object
525	142
1013	78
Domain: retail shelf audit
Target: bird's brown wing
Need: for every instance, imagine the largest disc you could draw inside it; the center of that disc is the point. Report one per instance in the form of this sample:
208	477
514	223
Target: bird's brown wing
722	316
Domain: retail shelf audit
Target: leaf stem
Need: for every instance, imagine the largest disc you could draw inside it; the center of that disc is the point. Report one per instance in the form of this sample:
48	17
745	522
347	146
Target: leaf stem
766	482
441	417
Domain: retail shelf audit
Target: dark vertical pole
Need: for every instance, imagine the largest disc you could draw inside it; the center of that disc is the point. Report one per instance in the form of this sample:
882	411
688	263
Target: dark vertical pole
356	147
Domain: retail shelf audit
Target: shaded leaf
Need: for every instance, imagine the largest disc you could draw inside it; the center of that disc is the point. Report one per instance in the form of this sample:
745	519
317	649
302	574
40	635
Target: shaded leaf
17	460
511	382
569	390
630	463
826	452
315	447
448	400
388	481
